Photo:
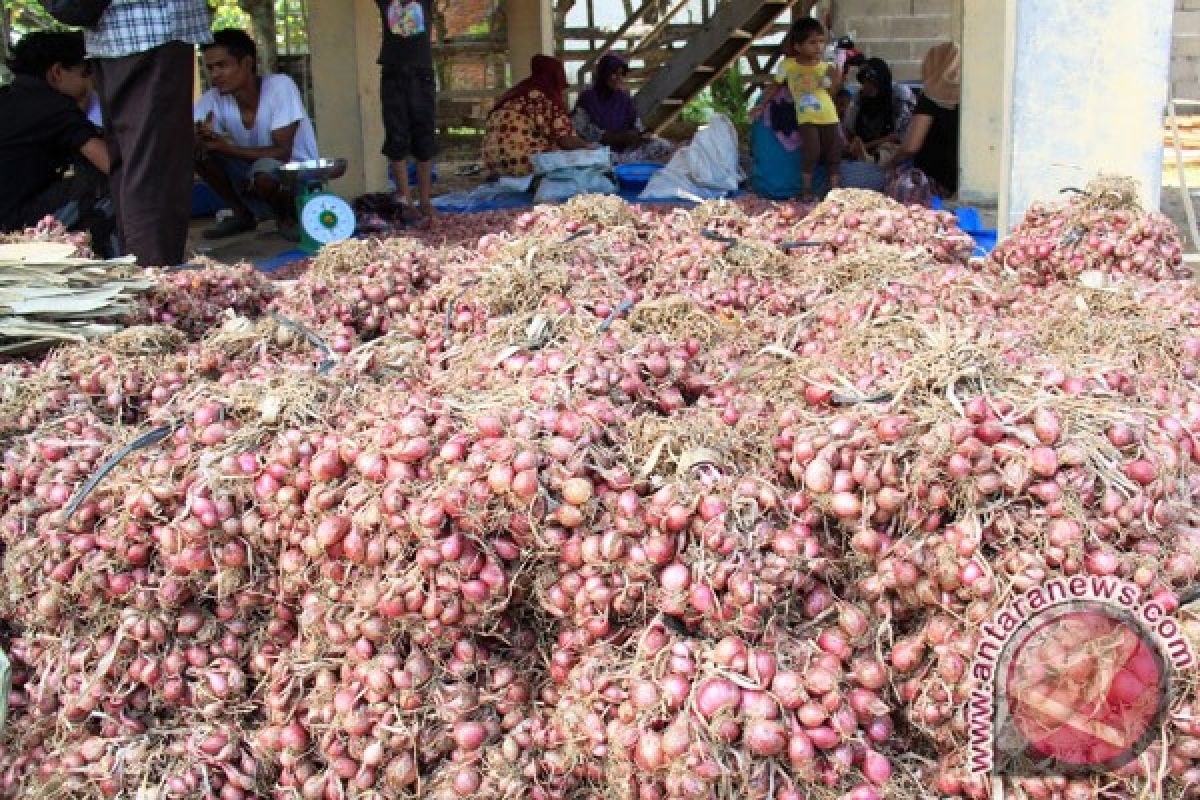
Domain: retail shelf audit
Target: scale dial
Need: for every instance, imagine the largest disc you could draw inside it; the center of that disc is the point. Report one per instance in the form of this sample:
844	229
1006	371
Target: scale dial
327	218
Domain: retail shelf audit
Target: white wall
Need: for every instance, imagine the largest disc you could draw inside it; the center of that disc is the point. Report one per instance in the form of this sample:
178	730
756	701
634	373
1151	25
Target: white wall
1089	83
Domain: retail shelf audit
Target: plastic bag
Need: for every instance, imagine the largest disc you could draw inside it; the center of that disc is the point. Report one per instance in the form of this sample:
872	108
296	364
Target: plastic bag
707	168
911	186
774	171
566	183
566	173
713	155
555	160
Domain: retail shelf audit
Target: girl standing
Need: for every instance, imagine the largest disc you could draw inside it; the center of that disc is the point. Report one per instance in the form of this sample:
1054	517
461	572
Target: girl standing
813	83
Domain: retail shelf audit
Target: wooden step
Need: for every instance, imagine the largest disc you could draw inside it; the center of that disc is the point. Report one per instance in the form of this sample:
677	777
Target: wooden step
732	31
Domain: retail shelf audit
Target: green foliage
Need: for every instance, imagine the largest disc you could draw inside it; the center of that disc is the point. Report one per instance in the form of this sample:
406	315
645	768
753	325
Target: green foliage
726	95
228	14
729	97
698	109
291	34
25	16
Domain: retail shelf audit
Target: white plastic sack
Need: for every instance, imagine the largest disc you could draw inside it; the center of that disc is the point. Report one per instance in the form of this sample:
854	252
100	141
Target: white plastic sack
707	168
713	155
566	173
564	184
546	163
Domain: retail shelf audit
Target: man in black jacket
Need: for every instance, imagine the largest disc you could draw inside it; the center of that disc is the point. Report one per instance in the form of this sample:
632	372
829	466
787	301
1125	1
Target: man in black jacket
44	131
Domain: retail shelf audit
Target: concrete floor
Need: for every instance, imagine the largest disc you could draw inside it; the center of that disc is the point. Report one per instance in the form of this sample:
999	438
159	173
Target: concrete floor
263	243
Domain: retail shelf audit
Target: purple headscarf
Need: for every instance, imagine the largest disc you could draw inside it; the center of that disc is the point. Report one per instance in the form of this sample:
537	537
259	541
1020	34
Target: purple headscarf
613	111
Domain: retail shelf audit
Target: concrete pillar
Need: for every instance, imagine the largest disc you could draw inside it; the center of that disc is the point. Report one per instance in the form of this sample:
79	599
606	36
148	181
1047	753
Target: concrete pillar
343	38
530	31
984	65
1088	88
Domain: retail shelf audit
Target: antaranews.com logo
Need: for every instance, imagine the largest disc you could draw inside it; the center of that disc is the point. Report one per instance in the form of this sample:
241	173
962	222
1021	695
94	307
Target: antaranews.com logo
1071	677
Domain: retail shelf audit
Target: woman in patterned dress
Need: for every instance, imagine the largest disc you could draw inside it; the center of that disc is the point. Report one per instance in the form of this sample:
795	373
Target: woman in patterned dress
530	118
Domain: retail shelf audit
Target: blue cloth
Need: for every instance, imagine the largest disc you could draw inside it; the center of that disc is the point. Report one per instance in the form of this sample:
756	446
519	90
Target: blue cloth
280	260
971	223
476	201
205	202
774	170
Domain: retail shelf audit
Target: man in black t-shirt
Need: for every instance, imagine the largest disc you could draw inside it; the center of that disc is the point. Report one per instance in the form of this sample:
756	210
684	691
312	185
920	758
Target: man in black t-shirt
43	131
407	89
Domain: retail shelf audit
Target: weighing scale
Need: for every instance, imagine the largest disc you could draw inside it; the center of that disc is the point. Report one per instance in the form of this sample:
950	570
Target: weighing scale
324	217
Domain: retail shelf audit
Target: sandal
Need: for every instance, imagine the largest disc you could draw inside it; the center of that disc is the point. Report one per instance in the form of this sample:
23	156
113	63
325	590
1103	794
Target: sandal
231	226
408	214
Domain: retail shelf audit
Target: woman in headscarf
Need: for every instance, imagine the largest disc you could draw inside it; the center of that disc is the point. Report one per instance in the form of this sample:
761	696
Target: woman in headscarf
530	118
880	114
605	114
932	139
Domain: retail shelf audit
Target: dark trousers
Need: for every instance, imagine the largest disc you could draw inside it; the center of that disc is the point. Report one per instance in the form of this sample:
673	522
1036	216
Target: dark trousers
147	104
78	201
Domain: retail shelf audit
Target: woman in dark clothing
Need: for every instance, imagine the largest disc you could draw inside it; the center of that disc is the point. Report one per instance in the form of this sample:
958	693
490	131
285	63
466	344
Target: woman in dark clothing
605	114
880	115
932	139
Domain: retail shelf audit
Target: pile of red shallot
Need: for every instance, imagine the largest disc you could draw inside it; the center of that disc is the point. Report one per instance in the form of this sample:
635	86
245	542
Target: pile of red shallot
589	501
1100	228
49	229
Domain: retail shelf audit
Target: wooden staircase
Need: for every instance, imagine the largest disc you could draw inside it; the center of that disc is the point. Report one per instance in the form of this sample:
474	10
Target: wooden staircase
727	36
676	48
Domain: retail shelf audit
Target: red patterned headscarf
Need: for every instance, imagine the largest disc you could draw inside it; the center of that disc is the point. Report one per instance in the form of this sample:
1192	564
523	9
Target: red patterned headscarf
548	76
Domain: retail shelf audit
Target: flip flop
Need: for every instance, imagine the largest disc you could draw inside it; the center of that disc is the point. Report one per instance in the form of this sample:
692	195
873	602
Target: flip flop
230	226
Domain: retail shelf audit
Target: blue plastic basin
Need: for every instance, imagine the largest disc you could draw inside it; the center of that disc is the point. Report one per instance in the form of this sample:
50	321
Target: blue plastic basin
634	177
971	223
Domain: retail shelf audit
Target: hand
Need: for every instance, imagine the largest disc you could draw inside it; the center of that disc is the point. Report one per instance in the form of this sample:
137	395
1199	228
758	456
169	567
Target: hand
208	138
204	128
213	143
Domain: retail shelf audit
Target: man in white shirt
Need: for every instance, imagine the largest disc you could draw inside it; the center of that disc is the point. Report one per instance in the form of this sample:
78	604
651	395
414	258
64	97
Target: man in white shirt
247	127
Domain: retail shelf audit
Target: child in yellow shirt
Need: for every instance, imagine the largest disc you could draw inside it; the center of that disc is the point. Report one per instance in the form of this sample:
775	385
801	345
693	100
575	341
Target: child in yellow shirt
813	84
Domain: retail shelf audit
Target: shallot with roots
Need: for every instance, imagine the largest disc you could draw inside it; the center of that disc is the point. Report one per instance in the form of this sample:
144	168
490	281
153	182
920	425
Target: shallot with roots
597	500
